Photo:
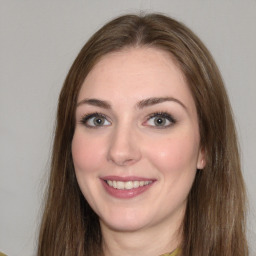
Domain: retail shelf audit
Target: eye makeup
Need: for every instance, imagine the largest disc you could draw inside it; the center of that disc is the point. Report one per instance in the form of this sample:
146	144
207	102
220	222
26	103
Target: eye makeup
160	120
157	120
95	120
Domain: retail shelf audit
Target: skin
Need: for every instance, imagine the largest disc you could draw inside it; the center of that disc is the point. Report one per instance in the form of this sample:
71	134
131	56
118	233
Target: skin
130	144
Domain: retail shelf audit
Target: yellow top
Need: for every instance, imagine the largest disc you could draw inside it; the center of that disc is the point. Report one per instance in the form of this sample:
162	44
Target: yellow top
174	253
1	254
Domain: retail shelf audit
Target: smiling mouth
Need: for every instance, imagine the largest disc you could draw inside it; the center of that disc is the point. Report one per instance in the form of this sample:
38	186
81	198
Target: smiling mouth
127	185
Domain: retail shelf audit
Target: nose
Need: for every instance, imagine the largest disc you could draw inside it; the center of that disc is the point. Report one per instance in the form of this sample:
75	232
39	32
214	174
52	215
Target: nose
124	149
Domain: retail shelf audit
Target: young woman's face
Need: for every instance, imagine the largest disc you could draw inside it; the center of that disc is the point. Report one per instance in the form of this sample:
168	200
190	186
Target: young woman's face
136	145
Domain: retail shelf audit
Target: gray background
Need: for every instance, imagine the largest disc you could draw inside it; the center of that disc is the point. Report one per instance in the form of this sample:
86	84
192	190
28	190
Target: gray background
38	42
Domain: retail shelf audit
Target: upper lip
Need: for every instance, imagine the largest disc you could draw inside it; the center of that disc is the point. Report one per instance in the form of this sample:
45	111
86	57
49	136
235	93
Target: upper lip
126	178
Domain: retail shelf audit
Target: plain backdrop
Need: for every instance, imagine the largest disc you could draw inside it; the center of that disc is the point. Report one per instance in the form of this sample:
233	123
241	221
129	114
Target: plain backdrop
39	41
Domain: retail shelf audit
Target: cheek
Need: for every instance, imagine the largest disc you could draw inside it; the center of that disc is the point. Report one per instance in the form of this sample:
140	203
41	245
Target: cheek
175	159
175	155
86	153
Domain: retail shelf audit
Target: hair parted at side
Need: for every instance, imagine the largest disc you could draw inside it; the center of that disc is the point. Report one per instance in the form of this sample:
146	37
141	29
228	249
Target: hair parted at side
214	222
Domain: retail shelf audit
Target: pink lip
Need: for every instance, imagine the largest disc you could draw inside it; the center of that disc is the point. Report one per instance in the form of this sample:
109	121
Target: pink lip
129	193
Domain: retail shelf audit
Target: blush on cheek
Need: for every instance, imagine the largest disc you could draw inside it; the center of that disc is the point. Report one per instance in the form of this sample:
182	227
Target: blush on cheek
175	156
85	155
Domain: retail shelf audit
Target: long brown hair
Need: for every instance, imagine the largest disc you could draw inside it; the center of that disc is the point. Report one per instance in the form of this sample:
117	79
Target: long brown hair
214	222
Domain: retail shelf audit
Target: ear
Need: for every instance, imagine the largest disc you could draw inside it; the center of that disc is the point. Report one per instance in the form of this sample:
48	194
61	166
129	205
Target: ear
201	160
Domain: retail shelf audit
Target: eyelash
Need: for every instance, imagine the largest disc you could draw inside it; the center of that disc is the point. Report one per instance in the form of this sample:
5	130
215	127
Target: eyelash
164	115
87	117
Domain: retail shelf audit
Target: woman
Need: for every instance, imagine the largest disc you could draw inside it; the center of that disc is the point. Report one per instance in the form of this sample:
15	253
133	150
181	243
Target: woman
145	158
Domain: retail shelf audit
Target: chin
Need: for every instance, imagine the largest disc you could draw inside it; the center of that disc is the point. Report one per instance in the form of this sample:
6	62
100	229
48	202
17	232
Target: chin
123	227
124	223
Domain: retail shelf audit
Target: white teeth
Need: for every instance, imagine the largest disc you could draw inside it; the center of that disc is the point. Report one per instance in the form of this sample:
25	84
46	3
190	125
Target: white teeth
136	184
127	184
120	185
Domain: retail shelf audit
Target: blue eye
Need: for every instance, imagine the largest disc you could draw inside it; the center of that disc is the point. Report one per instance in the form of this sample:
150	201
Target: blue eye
95	120
160	120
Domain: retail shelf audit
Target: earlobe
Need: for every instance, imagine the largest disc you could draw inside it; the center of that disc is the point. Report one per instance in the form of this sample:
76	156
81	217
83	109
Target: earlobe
201	161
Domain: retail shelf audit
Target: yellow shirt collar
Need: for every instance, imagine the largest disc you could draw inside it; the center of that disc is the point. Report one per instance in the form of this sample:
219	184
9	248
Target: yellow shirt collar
174	253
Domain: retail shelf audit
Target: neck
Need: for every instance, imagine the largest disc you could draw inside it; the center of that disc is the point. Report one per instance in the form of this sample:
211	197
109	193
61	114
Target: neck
144	242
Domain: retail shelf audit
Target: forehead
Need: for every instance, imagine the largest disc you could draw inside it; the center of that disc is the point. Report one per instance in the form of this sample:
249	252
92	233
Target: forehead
134	74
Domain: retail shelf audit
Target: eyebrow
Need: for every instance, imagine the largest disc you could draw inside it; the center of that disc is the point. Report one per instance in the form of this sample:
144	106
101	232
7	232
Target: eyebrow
95	102
153	101
140	105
